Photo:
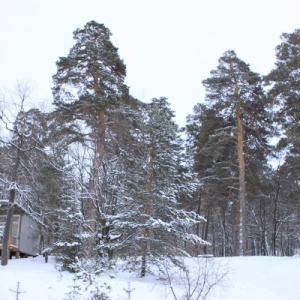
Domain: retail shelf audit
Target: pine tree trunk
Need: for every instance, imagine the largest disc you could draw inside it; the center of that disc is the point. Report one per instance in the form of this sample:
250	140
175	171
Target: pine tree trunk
275	221
197	246
206	226
223	226
95	205
242	180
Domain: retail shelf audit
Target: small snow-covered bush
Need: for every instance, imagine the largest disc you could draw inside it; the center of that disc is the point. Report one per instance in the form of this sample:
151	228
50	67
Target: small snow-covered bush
88	281
192	278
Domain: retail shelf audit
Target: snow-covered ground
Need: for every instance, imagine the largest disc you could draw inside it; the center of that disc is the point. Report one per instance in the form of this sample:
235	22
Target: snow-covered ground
255	278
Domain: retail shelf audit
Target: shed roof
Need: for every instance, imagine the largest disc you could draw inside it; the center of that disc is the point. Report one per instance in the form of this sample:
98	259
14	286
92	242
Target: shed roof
4	203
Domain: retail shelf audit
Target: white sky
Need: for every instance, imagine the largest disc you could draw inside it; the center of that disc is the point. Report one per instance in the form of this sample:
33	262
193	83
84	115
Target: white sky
168	46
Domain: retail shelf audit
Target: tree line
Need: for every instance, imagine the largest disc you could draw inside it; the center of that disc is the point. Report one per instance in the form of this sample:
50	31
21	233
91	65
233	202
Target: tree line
108	176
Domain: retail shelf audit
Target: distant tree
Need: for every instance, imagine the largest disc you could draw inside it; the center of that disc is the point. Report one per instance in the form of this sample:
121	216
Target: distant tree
284	99
214	154
20	143
47	175
286	207
284	92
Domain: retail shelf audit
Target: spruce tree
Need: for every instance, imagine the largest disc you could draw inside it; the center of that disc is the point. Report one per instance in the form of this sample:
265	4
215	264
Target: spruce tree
69	240
157	225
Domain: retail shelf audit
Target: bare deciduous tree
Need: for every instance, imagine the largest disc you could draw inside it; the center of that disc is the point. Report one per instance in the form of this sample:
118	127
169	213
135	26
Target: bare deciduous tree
193	278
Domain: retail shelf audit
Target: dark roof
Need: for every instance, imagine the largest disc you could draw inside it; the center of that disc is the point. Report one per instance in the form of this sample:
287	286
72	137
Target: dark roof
18	206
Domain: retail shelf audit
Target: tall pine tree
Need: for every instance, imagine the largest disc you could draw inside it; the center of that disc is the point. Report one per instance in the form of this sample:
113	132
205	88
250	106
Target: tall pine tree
235	93
88	90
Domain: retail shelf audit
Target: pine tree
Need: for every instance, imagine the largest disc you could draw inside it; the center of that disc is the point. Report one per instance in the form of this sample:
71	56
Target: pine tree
213	148
284	98
284	92
236	95
89	90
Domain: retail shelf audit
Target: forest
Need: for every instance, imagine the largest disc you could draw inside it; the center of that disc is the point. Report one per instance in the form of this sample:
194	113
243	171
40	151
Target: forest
108	176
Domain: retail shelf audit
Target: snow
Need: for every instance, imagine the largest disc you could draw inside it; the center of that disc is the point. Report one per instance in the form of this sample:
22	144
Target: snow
259	278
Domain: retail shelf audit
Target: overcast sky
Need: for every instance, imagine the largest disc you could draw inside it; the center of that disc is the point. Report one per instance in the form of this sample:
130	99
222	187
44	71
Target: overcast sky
168	46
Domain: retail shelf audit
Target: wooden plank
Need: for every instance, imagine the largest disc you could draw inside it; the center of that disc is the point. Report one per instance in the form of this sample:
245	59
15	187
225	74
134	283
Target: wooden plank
11	247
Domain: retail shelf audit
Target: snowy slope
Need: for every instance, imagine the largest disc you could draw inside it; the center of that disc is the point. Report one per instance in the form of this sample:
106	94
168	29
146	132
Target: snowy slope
255	278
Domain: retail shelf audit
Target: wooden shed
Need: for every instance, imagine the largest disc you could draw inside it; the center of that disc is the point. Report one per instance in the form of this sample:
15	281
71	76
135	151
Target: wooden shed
24	237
